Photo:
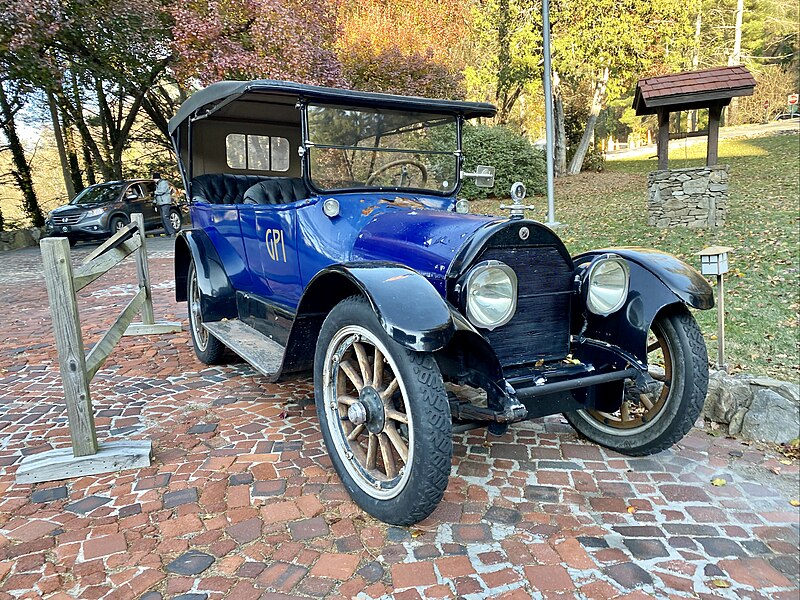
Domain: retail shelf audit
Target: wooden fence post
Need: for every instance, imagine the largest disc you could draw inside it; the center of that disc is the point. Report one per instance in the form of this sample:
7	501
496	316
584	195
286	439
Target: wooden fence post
69	343
148	318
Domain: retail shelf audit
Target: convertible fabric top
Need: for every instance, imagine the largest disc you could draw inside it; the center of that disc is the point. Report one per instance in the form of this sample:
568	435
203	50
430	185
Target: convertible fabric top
218	94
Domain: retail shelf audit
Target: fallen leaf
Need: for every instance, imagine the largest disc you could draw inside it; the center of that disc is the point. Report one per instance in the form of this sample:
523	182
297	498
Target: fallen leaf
417	533
794	502
631	509
785	461
720	583
776	470
719	482
487	444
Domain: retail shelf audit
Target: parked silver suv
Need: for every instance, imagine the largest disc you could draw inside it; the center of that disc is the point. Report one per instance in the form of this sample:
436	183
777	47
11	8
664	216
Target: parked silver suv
102	209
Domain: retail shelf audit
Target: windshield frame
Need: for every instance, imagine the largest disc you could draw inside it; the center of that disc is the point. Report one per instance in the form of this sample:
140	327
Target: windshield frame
307	145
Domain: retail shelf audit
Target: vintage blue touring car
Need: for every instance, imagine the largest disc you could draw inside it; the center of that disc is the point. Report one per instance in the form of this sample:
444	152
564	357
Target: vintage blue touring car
327	235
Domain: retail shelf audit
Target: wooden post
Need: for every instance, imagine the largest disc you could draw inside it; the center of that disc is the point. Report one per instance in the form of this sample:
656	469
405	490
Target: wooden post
663	140
69	343
714	114
721	323
148	317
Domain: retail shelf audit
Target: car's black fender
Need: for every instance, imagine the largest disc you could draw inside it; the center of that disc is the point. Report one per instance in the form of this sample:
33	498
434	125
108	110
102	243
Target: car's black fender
657	280
408	307
217	295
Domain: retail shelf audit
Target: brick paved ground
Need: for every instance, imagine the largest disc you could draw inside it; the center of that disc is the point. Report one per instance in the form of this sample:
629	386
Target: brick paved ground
241	501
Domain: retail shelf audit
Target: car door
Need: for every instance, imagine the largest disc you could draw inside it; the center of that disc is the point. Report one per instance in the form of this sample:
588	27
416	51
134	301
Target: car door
270	240
134	201
149	208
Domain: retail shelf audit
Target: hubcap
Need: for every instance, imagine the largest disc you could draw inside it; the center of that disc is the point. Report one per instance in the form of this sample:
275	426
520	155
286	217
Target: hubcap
367	412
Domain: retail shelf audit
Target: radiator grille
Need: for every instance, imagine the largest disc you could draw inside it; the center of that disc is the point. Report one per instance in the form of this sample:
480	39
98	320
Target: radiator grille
540	328
67	219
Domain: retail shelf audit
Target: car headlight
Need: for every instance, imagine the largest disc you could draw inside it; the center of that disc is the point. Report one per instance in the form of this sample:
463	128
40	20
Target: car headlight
491	288
608	278
95	211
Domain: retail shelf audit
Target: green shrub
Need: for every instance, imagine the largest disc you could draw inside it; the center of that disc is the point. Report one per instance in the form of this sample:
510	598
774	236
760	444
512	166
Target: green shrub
512	155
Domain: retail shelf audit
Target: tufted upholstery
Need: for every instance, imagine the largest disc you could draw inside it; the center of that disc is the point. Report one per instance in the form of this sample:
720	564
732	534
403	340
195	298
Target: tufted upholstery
277	190
222	188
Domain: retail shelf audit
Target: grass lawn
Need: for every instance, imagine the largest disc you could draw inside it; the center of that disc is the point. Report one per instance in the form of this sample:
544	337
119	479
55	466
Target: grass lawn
762	294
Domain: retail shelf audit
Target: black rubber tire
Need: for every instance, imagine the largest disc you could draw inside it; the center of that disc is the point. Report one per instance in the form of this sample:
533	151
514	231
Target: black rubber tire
176	219
72	241
683	404
207	348
116	223
427	406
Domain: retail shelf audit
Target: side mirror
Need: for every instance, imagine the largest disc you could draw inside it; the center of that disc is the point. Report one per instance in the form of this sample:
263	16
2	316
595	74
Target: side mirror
483	175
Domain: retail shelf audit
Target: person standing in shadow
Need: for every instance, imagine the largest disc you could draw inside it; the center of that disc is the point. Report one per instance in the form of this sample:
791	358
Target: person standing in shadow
163	200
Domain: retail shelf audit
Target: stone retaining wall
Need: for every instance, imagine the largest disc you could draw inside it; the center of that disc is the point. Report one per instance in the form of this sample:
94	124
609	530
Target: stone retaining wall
756	408
696	197
20	238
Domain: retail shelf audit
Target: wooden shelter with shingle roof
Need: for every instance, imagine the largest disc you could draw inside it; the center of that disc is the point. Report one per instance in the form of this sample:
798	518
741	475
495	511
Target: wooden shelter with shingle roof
691	90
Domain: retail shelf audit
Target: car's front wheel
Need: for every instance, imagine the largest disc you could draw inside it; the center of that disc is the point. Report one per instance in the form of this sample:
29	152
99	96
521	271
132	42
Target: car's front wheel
207	348
116	224
384	415
656	417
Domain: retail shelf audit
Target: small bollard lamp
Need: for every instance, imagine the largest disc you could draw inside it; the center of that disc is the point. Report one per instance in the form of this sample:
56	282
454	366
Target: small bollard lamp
714	261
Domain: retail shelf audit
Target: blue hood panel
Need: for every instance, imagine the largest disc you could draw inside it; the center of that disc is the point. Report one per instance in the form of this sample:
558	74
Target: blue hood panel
425	240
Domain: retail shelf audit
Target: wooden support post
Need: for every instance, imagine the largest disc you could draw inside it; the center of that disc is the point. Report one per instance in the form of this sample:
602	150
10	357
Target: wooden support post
714	114
148	325
69	343
663	140
148	318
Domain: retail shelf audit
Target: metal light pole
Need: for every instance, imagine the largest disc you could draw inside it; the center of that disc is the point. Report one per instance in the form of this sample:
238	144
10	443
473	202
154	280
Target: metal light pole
548	114
714	261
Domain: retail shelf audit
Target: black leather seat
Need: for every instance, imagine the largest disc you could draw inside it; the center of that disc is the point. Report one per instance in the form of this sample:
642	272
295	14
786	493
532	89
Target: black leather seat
222	188
277	190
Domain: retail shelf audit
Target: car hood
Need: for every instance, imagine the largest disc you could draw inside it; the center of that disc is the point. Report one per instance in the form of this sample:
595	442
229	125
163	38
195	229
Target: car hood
426	240
72	209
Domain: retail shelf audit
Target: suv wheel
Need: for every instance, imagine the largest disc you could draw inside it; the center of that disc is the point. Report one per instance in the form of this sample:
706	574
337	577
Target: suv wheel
116	224
175	219
207	348
652	419
384	415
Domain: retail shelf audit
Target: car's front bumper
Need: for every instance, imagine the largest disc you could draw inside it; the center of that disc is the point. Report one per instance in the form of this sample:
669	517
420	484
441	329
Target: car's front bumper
86	228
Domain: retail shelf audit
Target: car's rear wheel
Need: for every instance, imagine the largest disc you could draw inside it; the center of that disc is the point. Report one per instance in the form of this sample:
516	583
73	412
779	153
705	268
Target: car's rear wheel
207	348
656	417
384	415
175	219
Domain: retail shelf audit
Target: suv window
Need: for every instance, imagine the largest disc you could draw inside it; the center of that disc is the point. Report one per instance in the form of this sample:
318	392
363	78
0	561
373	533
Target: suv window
257	152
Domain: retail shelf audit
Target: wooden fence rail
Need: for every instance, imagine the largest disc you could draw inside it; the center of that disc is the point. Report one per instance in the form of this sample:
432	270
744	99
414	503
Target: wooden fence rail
87	456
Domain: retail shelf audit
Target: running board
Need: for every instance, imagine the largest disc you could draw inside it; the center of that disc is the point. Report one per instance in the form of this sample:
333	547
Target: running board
263	353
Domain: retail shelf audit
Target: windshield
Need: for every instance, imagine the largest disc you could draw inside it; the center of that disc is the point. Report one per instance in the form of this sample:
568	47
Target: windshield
375	148
98	194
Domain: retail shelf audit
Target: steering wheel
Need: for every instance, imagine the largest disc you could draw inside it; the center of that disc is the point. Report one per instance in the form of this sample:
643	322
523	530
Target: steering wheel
404	162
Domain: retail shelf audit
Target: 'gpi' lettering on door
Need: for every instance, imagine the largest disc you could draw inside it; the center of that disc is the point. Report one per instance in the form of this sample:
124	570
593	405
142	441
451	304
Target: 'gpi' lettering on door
275	246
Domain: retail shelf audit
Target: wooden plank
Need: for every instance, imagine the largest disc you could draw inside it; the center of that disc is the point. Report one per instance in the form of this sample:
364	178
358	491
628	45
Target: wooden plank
154	329
58	464
714	114
88	272
663	140
103	348
110	242
143	272
69	343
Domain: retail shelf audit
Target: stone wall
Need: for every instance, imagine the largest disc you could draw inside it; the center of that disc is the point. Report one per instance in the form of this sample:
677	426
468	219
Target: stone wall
756	408
695	197
20	238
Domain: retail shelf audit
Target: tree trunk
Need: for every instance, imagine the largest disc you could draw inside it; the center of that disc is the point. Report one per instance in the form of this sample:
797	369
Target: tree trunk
736	57
560	149
597	102
698	25
22	170
62	151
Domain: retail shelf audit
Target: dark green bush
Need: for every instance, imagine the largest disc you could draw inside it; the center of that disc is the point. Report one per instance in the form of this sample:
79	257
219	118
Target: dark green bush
512	155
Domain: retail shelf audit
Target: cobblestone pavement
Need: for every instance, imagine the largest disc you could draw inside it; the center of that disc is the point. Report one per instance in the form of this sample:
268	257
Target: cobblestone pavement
241	501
